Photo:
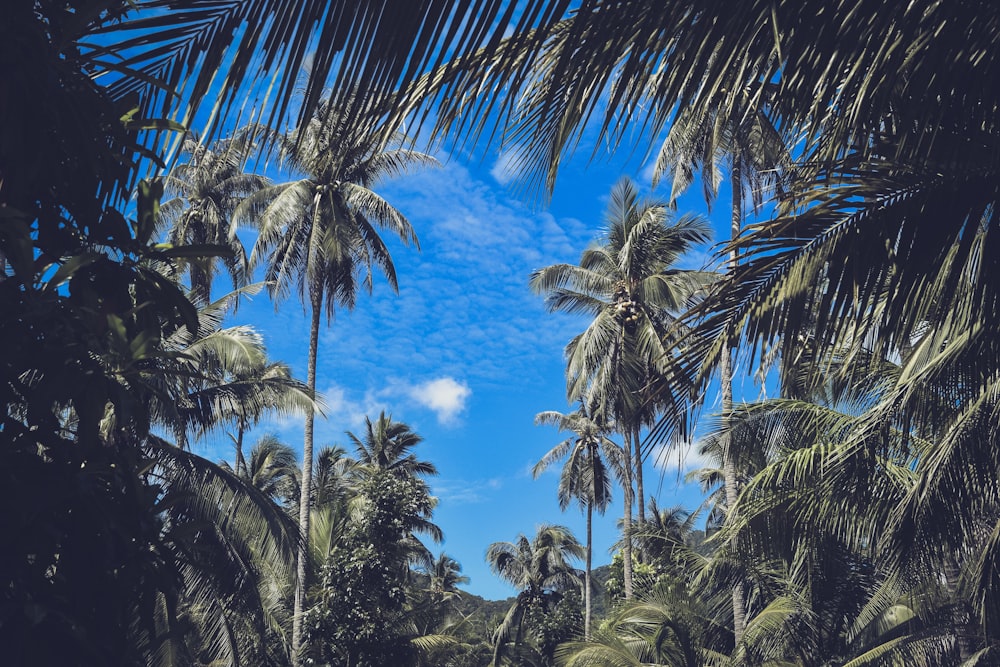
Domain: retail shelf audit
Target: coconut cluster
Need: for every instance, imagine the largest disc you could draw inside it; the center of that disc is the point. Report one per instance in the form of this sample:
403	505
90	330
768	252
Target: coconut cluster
627	313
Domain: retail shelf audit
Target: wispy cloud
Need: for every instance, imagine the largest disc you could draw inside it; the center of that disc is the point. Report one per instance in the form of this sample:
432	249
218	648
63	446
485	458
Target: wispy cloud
504	169
464	309
466	491
682	458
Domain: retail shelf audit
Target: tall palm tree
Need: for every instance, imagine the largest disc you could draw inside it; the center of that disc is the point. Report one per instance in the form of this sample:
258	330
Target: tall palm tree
627	285
539	568
320	235
205	191
744	137
584	477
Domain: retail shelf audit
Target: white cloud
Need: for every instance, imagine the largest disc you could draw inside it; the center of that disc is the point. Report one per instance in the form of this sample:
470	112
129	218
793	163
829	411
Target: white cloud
646	173
445	396
504	169
683	457
339	408
464	492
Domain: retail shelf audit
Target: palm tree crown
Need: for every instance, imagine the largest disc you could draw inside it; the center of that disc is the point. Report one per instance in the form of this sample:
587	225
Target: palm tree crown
628	285
585	476
207	188
445	576
320	233
273	469
386	446
539	565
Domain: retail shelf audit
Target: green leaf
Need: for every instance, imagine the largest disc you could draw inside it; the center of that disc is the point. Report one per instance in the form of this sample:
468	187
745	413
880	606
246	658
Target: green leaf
154	124
194	251
70	267
15	240
150	193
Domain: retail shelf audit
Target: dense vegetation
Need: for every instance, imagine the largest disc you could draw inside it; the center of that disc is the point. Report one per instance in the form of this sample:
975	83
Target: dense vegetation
853	520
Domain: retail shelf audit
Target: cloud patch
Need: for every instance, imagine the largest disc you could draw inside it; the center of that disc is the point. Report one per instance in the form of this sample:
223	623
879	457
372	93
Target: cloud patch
681	458
445	396
463	492
504	170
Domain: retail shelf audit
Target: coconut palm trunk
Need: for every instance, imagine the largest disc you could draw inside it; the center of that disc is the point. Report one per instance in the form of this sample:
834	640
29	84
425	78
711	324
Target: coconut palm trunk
627	518
639	497
726	377
316	298
587	605
241	462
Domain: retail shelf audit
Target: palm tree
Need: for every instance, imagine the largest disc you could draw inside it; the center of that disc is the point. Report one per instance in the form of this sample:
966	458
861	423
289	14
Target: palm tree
539	568
667	627
320	235
215	376
626	284
386	446
445	576
235	550
584	476
206	377
365	551
261	388
206	190
657	59
272	469
385	450
743	136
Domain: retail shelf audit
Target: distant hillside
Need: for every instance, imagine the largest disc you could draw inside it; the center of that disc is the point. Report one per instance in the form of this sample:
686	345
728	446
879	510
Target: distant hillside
469	604
480	610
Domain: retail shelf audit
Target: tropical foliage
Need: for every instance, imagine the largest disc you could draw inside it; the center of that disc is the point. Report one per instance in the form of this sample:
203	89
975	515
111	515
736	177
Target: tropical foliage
585	477
629	287
853	519
319	235
540	570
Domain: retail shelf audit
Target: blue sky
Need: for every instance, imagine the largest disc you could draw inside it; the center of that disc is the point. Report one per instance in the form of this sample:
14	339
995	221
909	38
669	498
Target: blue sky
465	353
